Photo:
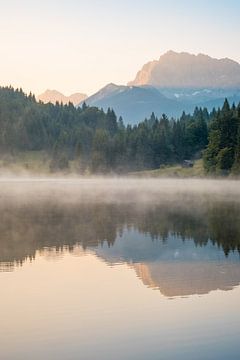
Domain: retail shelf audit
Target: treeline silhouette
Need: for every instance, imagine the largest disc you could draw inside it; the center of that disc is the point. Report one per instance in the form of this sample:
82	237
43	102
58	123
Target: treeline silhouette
29	228
97	140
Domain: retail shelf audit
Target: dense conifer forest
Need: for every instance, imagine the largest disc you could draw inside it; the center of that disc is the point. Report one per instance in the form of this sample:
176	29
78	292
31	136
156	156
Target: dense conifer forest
101	143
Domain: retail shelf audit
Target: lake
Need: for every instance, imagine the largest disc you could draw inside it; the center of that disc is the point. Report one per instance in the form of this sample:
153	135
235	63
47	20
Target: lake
119	269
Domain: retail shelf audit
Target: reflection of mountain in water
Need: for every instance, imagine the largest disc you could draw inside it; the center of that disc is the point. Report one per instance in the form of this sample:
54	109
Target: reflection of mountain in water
184	279
181	250
175	267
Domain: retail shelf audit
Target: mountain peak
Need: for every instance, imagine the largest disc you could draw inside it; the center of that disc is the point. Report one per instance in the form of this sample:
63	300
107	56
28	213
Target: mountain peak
184	70
54	96
110	87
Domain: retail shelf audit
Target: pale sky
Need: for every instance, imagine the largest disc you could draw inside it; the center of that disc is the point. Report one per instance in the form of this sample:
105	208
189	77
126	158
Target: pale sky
80	45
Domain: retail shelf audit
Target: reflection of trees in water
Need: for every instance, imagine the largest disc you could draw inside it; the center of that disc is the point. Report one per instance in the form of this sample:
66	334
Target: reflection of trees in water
26	229
224	227
216	222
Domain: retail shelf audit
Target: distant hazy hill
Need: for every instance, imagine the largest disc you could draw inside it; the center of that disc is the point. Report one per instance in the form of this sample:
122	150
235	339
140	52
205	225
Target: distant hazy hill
134	103
53	96
183	70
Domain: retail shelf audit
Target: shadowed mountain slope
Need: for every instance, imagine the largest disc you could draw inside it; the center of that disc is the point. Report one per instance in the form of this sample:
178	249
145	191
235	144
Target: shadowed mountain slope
134	103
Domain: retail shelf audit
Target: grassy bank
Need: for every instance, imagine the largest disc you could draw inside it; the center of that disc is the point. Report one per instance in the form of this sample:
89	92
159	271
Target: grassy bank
38	162
32	162
174	171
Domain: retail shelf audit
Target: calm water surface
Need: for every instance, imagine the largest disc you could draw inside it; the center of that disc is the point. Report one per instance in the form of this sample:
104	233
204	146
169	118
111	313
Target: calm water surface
135	271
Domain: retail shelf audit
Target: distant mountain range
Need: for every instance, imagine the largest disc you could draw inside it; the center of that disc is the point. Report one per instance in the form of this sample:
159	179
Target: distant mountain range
135	103
54	96
175	83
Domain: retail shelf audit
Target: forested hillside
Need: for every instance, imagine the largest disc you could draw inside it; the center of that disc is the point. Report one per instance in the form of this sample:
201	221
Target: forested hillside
101	143
222	155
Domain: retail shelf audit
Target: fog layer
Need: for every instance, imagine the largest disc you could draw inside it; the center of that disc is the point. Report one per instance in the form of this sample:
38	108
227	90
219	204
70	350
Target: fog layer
117	190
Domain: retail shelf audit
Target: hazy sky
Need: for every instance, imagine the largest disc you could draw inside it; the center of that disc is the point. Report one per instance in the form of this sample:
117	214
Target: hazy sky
79	45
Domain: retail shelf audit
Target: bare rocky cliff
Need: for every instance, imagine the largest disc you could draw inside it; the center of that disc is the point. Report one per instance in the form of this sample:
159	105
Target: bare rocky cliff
183	70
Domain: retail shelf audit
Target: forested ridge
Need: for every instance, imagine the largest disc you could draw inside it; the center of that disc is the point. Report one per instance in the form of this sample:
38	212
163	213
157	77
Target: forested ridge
222	155
101	143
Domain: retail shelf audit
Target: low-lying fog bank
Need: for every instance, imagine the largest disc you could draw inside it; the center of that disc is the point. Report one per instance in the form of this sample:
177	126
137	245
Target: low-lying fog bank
116	190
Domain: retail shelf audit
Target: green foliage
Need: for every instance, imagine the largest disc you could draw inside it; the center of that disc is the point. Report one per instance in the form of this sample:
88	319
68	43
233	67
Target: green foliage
222	155
101	143
225	160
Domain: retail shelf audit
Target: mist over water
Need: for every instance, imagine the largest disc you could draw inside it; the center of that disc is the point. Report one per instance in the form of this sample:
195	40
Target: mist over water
63	213
115	190
95	261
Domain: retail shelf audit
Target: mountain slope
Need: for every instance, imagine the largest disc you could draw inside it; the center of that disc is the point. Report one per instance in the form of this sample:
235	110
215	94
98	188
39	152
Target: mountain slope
183	70
176	82
53	96
134	103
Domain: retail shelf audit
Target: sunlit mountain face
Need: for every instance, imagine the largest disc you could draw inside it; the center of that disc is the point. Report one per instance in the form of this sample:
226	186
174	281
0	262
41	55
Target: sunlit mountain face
184	70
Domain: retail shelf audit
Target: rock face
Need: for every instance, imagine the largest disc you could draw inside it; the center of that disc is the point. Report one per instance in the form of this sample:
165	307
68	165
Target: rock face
183	70
53	96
